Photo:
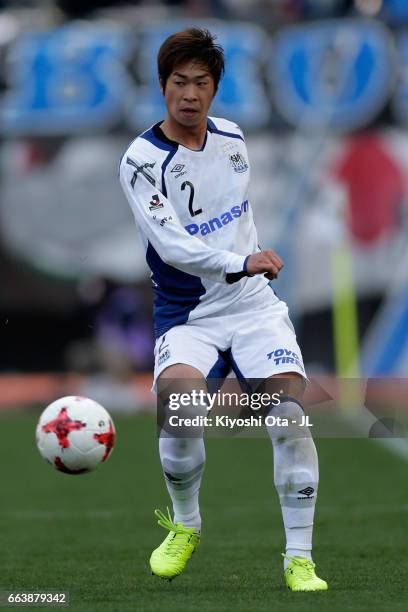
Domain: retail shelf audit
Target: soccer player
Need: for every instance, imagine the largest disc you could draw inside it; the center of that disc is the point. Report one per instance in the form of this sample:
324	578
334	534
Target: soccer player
186	179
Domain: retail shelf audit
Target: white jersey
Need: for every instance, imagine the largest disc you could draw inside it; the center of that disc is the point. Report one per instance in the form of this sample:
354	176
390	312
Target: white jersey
196	221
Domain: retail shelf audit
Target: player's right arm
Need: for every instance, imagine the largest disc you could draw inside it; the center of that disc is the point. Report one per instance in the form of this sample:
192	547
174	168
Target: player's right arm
161	226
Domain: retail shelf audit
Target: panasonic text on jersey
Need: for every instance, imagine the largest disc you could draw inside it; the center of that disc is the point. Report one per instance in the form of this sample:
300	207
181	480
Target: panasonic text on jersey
216	223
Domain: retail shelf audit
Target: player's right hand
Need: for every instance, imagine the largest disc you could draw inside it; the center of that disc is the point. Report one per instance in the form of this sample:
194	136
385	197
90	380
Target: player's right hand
266	262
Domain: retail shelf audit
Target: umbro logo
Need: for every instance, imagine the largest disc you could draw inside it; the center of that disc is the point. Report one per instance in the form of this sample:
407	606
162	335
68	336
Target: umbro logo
178	170
307	491
155	203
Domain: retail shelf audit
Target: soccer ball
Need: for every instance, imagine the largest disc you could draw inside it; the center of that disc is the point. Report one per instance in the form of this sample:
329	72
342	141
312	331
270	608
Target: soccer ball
75	434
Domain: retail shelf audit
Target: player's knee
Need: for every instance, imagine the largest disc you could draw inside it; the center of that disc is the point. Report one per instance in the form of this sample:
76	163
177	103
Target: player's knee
182	415
289	409
285	422
288	384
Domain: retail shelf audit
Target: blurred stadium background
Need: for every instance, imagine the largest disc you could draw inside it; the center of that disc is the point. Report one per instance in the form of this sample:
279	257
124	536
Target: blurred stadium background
320	88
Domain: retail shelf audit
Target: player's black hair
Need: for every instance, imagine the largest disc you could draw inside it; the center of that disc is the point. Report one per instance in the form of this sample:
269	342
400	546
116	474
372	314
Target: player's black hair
191	44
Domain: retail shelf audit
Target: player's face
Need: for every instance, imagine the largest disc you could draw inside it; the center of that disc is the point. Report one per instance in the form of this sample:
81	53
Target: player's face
188	94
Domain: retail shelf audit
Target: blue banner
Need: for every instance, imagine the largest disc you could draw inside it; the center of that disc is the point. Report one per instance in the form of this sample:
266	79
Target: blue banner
335	74
66	80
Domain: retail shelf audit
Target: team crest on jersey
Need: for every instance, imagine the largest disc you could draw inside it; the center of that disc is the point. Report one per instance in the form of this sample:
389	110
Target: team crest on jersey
163	357
238	162
163	351
155	203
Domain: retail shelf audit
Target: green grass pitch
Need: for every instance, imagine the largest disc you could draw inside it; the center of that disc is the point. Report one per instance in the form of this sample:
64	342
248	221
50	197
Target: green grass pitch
92	535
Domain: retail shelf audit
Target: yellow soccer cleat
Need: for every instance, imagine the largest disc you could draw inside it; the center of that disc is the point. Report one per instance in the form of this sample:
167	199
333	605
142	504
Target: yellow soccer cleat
170	558
300	575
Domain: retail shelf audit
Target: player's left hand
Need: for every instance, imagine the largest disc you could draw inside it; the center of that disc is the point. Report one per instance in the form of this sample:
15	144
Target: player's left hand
278	263
266	262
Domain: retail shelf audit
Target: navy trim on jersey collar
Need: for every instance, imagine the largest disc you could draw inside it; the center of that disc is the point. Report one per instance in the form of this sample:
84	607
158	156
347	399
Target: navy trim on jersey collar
158	138
213	128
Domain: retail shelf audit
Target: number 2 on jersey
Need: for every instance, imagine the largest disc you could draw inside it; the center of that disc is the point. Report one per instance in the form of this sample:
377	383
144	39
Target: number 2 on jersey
193	213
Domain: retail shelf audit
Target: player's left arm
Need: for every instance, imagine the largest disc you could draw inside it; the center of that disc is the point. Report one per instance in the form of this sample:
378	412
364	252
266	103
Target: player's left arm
265	262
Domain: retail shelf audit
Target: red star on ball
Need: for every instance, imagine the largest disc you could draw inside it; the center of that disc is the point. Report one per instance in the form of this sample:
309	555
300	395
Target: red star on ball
108	439
62	426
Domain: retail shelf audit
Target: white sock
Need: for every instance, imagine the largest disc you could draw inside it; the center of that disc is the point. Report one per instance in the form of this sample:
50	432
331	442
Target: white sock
183	461
296	476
